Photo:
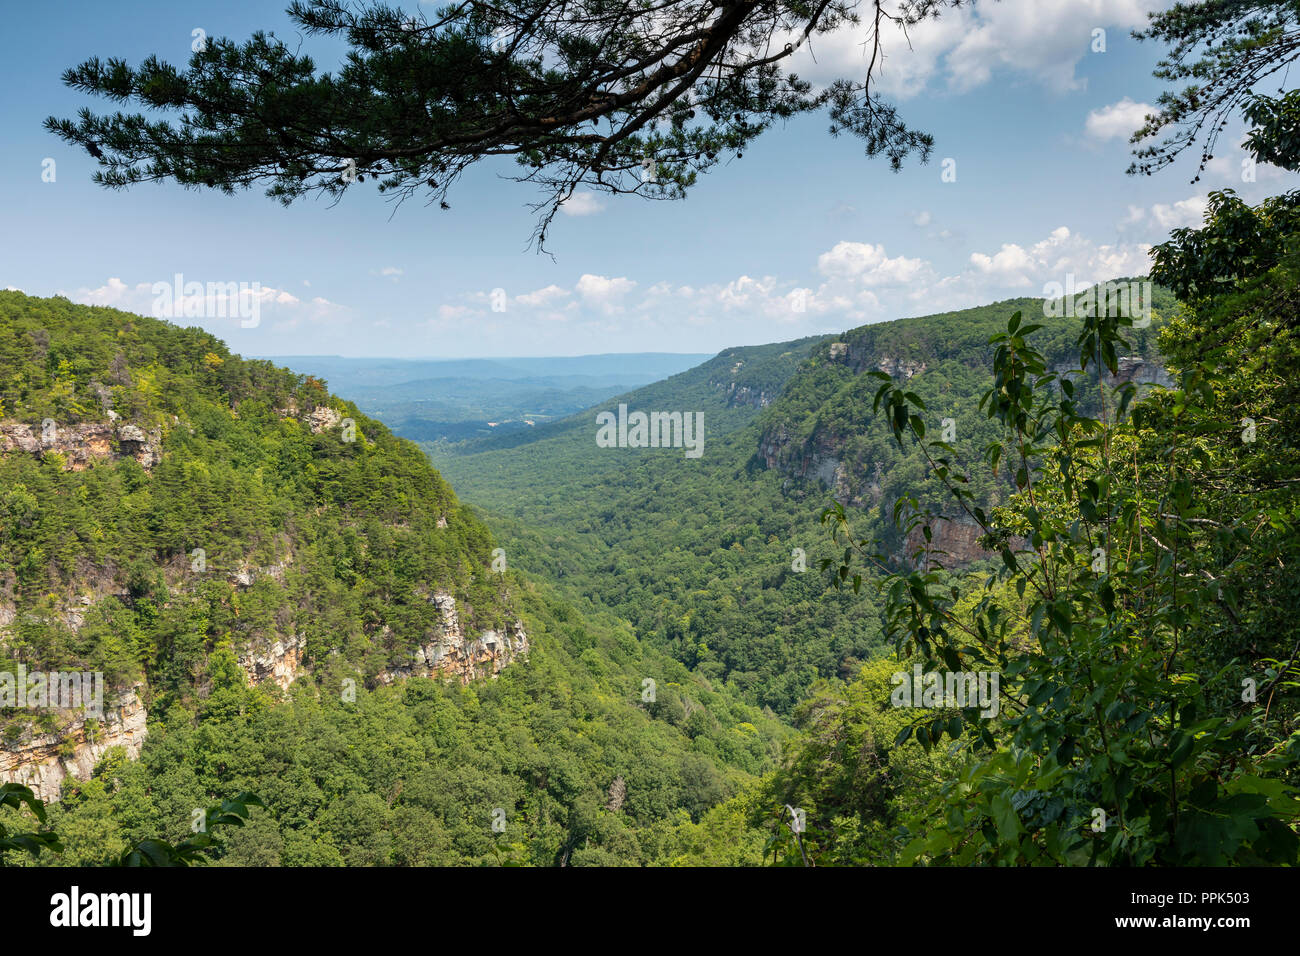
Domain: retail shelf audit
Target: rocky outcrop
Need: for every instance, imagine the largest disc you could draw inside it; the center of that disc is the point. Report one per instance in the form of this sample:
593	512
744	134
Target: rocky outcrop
860	359
244	575
44	761
900	367
1140	371
828	469
738	395
84	443
954	541
1129	368
772	445
450	655
323	417
276	661
70	612
144	447
819	459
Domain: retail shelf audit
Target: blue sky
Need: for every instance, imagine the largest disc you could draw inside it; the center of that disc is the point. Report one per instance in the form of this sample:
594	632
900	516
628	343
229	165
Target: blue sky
803	235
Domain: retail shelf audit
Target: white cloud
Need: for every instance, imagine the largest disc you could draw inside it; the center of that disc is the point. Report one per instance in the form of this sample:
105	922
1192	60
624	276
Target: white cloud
116	294
1119	120
542	297
868	264
1185	212
1011	262
1044	40
218	304
281	297
850	284
745	292
1041	41
582	204
1235	165
1026	269
604	293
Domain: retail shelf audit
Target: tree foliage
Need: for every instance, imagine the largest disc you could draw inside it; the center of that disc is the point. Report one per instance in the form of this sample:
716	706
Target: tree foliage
1224	50
627	96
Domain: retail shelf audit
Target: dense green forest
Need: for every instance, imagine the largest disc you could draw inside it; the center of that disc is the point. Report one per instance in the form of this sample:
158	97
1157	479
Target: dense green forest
584	764
770	683
1013	585
564	758
699	555
1151	679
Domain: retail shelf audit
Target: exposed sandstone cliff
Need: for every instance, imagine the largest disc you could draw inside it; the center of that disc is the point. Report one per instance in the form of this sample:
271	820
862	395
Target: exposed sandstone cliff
954	541
822	457
323	417
860	359
819	459
738	394
449	654
1129	368
83	443
43	761
278	661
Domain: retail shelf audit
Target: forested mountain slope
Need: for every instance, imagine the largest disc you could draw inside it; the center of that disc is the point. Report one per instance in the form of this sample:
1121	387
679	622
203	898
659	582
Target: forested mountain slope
267	580
700	555
1137	602
696	553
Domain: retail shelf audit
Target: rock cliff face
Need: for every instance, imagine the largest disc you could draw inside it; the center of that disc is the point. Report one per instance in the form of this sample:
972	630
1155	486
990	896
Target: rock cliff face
44	761
450	655
754	398
820	459
323	417
738	395
899	367
276	661
860	360
1130	368
83	443
771	445
955	542
823	458
1134	368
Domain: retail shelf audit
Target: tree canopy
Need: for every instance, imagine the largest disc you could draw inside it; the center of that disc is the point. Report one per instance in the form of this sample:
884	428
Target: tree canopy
619	96
1224	49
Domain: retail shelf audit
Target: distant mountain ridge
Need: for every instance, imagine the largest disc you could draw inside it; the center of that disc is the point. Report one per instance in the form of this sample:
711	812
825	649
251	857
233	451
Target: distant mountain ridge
457	399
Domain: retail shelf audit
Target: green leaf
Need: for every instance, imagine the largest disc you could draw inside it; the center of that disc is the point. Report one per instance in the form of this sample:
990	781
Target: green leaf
1005	818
